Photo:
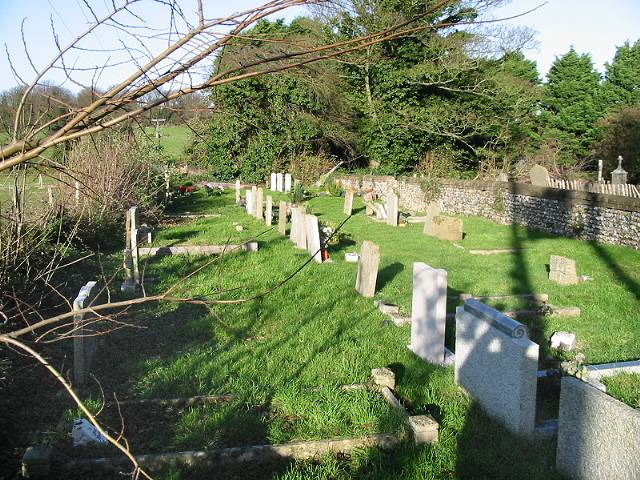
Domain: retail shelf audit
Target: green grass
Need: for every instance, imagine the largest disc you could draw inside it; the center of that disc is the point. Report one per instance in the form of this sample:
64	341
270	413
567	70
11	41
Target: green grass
625	387
174	139
284	353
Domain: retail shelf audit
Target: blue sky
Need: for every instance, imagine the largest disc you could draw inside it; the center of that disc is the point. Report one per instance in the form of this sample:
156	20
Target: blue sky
591	26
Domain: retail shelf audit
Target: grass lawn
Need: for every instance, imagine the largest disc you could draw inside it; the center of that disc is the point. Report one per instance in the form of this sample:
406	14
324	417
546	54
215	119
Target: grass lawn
284	354
174	139
625	387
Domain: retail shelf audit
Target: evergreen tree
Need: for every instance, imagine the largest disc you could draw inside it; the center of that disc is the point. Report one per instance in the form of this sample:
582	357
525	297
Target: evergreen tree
622	77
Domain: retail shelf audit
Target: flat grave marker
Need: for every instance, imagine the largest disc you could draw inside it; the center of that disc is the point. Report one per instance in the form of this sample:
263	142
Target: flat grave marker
562	270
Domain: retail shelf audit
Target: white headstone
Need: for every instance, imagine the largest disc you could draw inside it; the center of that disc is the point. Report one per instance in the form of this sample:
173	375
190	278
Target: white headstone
249	201
348	202
279	181
259	208
392	209
562	270
313	237
272	182
237	190
287	182
268	216
428	312
539	176
134	243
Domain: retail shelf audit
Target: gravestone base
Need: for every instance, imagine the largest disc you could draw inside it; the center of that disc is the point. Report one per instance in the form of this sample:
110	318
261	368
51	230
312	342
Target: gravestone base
424	427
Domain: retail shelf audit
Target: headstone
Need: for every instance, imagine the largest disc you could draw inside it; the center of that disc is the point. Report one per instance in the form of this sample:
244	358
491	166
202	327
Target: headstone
384	377
135	255
301	229
425	428
600	167
497	365
619	175
272	182
287	182
268	216
539	176
562	270
294	223
447	228
563	341
84	345
249	201
238	191
279	185
392	209
77	192
50	195
282	218
313	237
433	210
348	202
368	269
503	177
381	212
428	312
259	209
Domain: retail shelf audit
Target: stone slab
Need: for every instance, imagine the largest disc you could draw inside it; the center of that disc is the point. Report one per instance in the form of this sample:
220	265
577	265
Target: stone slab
272	183
428	312
446	228
425	428
259	207
433	210
279	182
282	218
287	182
348	202
497	365
199	249
610	369
313	237
384	377
598	436
238	191
392	209
84	344
562	270
268	215
539	176
368	269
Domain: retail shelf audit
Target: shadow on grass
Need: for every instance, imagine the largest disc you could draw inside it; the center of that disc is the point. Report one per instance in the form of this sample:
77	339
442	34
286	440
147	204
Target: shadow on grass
387	274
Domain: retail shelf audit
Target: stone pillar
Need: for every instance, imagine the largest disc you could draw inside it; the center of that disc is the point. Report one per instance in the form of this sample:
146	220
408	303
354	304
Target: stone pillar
392	209
368	269
279	181
83	346
269	213
348	202
249	202
282	218
238	191
313	237
294	223
259	210
428	312
287	182
135	256
600	166
77	192
272	182
50	195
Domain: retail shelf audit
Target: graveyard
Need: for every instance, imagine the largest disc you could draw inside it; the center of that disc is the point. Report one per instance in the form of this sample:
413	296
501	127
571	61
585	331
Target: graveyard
287	356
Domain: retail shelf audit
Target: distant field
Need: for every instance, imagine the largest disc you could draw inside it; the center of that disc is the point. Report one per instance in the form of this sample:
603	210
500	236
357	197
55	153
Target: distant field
174	140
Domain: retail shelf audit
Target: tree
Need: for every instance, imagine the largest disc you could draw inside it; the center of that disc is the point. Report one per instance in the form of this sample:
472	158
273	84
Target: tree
571	106
621	87
621	136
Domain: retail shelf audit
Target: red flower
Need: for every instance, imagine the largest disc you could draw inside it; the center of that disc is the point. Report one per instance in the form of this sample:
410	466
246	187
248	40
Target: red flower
182	188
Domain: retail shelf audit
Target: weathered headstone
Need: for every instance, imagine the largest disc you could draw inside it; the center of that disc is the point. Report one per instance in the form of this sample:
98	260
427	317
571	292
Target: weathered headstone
447	228
279	181
282	218
287	182
539	176
268	216
50	195
348	202
497	365
619	175
433	210
392	209
77	192
259	209
562	270
238	191
249	201
503	177
428	312
272	182
313	237
301	229
381	212
135	256
84	345
294	223
368	269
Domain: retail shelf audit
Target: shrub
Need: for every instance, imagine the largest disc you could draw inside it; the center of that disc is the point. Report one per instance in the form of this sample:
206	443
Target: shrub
297	193
333	187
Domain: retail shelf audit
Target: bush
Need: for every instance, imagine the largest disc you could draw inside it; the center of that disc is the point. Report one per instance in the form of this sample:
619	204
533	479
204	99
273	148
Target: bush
333	187
297	193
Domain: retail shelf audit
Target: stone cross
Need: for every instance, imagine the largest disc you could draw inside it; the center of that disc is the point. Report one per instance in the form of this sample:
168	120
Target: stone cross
539	176
313	237
562	270
268	216
348	202
272	182
282	218
368	269
619	175
392	209
433	210
238	191
259	209
287	182
279	180
428	312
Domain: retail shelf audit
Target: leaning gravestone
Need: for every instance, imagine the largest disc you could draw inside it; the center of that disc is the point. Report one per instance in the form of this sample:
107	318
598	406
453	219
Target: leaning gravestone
562	270
392	209
381	212
368	269
433	210
268	216
428	312
313	237
259	209
539	176
348	202
282	218
447	228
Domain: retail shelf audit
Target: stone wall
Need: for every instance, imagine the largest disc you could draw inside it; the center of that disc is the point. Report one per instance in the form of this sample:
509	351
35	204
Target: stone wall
590	216
598	436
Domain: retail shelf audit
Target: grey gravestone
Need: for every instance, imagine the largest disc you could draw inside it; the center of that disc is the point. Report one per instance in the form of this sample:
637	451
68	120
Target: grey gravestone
313	237
562	270
392	209
287	182
447	228
135	256
299	228
348	202
238	191
503	177
259	208
384	377
282	218
279	181
497	365
619	175
272	182
433	210
428	312
539	176
84	345
294	216
368	269
268	216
